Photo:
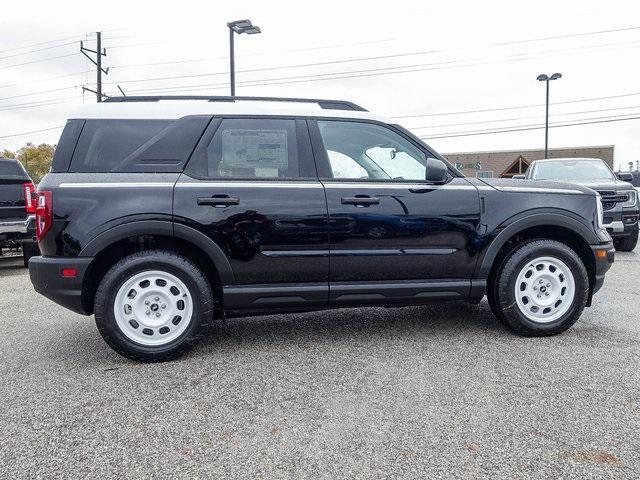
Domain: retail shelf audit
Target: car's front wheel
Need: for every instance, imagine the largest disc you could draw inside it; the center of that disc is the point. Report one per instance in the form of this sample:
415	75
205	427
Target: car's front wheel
153	306
541	288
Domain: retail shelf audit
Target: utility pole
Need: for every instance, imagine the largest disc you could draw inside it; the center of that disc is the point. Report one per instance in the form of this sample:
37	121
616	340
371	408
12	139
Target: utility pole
99	53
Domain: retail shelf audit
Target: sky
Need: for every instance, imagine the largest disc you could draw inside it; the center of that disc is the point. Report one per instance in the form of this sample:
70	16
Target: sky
452	72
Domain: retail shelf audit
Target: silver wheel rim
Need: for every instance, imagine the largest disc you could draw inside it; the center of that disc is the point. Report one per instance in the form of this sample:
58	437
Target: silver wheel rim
153	308
545	289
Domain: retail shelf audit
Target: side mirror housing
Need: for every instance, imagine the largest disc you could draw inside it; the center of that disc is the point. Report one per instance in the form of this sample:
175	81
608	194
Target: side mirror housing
436	171
625	176
520	176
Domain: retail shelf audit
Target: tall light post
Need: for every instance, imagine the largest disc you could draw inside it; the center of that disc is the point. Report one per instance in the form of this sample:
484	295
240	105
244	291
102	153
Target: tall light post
239	26
546	78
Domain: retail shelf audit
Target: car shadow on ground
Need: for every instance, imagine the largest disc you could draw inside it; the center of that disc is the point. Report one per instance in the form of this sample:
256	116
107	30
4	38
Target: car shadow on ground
356	324
11	265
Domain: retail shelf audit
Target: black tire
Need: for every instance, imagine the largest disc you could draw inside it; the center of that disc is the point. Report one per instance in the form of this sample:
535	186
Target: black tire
172	263
627	244
29	249
502	292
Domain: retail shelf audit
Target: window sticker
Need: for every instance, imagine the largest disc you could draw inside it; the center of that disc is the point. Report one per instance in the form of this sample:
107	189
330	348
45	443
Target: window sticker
262	150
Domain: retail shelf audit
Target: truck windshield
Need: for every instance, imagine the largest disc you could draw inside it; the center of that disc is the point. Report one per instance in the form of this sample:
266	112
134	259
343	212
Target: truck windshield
572	170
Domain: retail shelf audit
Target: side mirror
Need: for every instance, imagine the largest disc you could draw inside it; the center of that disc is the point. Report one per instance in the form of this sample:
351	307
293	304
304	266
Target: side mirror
436	171
520	176
625	176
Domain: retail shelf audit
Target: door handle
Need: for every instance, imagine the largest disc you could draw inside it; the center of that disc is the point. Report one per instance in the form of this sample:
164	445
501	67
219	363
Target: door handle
360	200
218	201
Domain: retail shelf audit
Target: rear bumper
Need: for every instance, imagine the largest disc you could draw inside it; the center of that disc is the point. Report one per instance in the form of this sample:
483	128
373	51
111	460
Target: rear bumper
46	277
604	256
18	230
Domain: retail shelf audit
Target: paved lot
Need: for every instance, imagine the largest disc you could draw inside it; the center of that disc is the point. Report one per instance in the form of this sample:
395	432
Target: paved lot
431	392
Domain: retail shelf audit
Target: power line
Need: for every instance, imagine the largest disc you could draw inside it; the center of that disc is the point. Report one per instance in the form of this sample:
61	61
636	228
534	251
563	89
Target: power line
522	128
39	43
37	50
48	59
32	131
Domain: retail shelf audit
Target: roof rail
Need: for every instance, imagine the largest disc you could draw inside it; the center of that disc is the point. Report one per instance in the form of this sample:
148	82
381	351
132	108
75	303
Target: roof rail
324	104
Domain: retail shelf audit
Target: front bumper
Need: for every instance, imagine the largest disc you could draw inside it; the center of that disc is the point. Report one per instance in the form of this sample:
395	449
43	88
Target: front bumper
46	277
604	256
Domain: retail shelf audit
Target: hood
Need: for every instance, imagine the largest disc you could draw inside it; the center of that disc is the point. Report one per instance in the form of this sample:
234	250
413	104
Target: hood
616	185
536	186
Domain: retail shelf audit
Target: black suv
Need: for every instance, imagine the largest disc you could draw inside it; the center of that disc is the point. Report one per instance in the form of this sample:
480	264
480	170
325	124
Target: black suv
163	214
17	206
619	197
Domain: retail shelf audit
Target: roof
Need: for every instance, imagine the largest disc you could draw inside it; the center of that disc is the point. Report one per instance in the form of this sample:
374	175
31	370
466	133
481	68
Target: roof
564	159
177	107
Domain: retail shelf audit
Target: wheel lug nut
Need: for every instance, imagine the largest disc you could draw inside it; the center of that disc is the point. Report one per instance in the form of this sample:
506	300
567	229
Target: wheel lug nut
157	298
158	314
164	306
146	302
147	312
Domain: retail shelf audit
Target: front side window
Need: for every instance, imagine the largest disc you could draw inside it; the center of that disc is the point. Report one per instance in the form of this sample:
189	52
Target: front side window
359	151
253	148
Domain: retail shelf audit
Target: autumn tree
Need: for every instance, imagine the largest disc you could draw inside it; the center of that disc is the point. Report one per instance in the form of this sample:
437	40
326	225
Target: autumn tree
35	158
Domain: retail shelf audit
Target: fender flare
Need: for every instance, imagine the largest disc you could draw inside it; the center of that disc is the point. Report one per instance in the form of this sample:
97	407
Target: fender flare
167	229
538	218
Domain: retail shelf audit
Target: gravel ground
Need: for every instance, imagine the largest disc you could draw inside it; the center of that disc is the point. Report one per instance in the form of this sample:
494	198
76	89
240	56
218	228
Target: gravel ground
419	392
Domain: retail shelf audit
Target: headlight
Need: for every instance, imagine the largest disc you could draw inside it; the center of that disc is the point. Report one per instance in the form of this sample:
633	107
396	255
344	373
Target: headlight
599	213
632	198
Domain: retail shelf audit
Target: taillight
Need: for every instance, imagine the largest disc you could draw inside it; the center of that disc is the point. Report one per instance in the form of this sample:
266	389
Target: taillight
29	197
44	213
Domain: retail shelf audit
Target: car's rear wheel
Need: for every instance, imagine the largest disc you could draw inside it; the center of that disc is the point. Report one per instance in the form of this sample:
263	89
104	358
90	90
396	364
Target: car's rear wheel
627	244
153	306
541	288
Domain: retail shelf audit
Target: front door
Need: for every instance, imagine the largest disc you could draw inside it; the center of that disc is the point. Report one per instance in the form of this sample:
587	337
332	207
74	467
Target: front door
251	187
393	236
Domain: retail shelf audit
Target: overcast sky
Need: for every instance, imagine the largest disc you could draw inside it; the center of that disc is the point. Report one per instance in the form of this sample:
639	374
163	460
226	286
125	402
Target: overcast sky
410	60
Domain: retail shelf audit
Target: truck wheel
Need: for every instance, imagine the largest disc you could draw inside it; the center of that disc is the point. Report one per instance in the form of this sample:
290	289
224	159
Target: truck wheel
541	289
29	249
153	306
627	244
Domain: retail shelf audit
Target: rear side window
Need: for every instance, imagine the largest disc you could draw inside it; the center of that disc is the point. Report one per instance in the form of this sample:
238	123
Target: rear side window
137	145
254	148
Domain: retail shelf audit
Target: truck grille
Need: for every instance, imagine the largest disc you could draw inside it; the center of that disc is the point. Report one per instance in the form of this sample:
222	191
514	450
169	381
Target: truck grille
610	198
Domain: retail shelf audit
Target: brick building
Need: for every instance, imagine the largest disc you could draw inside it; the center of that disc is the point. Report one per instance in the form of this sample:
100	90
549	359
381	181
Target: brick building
507	163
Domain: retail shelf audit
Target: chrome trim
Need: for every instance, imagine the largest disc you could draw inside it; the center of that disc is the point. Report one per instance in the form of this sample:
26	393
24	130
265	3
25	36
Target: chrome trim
383	185
249	184
117	185
617	226
20	226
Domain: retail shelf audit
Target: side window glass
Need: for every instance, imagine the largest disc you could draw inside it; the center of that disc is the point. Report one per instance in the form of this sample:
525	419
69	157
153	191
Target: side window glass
368	151
253	148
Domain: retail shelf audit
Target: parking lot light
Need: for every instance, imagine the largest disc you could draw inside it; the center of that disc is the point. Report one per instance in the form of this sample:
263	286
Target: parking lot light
545	78
238	26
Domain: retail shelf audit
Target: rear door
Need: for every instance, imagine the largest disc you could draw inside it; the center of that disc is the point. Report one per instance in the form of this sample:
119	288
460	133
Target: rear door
394	237
251	186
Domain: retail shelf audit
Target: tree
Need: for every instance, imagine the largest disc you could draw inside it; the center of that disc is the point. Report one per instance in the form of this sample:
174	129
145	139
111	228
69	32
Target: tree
36	159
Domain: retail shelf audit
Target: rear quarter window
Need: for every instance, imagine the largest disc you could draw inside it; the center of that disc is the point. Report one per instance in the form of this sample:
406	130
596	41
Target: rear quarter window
113	145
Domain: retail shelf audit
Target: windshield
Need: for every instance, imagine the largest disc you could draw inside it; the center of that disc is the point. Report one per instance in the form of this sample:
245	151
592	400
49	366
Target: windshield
572	170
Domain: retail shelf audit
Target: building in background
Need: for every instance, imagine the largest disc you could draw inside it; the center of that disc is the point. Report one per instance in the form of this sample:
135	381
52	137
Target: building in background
507	163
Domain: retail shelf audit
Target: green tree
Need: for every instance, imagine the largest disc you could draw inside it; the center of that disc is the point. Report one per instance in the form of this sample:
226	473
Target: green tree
7	154
36	159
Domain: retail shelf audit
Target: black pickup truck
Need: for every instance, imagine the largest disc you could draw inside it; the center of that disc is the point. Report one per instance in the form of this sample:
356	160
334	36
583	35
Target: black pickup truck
163	214
17	208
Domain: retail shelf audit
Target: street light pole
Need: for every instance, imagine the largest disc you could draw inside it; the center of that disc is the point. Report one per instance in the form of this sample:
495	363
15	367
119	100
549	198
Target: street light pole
238	26
232	66
547	79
